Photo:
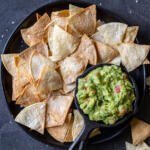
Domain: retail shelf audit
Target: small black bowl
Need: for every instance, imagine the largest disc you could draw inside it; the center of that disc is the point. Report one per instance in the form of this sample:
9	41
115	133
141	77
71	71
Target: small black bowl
90	125
129	115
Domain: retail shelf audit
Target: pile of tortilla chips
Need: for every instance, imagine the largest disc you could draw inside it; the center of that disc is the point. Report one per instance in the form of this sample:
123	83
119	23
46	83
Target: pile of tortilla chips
60	48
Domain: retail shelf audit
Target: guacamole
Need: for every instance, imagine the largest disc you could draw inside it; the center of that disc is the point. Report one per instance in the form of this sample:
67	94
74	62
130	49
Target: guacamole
105	94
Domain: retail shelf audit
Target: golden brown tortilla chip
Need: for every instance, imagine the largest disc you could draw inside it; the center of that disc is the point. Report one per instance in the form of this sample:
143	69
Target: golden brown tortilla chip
95	132
71	67
110	33
85	21
29	96
33	117
133	55
49	81
105	53
131	34
87	49
60	18
36	33
57	109
73	10
148	81
59	133
9	63
61	43
140	131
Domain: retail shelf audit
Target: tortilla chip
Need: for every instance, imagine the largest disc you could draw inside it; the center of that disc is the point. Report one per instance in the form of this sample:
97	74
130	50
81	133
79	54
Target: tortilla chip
60	18
146	62
29	96
133	55
33	117
105	53
61	43
57	109
87	49
110	33
140	131
9	63
68	87
37	62
49	81
36	33
73	10
78	124
131	34
85	21
59	133
71	67
116	61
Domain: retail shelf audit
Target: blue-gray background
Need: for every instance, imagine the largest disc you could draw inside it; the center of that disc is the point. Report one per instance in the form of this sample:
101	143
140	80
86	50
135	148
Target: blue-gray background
12	12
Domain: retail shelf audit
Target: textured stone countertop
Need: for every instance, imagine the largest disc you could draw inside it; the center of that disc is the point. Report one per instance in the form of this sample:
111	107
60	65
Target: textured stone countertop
12	12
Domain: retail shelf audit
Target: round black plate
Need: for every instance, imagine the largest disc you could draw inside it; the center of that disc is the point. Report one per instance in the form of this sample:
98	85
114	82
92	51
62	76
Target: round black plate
15	44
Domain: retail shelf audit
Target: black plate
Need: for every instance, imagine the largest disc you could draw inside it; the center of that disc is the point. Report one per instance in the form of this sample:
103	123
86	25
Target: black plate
15	44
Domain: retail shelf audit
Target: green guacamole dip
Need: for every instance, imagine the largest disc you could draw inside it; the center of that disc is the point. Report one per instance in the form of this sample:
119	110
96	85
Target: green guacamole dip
105	94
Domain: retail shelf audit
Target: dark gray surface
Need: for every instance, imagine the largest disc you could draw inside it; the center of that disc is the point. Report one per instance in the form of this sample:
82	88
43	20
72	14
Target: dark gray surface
12	12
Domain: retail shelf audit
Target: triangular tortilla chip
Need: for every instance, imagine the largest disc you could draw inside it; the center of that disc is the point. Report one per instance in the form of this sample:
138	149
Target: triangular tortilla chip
99	23
37	62
59	133
133	55
60	18
73	10
9	63
49	81
110	33
116	61
131	34
28	97
85	21
146	62
61	43
87	49
105	53
71	67
57	109
33	117
36	33
78	124
140	131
